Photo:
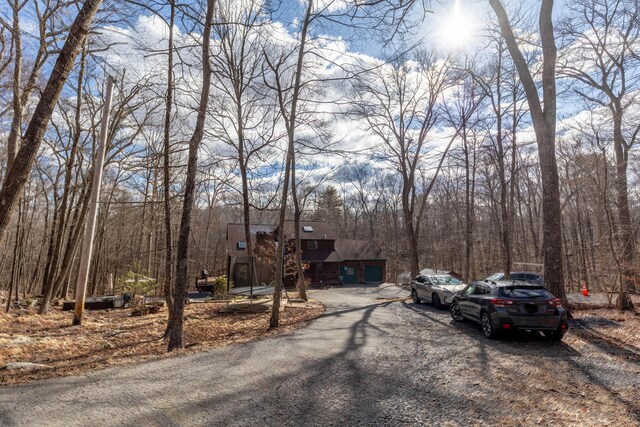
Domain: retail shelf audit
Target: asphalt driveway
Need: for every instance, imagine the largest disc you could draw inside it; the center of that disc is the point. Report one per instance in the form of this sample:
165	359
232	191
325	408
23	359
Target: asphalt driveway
368	360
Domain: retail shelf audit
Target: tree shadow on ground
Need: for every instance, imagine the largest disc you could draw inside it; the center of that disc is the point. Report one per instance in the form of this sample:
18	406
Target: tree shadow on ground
521	343
604	342
632	404
336	390
348	386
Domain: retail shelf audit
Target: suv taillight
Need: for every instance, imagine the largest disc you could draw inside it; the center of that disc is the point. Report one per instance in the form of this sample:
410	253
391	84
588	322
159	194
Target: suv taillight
501	302
556	302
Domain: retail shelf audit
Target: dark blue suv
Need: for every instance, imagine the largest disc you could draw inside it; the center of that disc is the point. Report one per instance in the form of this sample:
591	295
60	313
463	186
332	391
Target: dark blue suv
524	276
508	305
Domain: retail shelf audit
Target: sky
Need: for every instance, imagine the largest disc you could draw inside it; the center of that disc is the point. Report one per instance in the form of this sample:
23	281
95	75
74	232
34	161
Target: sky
453	26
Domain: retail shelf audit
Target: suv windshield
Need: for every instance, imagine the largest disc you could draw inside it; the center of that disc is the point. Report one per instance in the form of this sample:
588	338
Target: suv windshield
524	292
446	280
495	276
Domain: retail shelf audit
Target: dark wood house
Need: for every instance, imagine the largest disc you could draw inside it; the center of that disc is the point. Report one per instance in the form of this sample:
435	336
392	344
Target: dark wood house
362	261
331	260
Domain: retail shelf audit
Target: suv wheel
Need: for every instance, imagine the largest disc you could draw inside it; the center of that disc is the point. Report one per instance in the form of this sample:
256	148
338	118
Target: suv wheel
556	335
435	299
487	326
455	312
414	296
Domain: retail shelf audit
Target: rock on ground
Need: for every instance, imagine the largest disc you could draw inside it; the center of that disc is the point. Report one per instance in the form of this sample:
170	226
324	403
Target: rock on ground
23	365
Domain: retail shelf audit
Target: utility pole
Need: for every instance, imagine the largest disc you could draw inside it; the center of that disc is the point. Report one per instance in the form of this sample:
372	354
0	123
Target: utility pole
89	232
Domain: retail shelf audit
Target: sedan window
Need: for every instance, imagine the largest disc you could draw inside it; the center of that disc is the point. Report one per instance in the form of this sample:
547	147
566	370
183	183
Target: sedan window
470	289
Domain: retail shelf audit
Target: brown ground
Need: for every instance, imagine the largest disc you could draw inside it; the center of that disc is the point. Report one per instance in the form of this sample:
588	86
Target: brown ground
615	329
113	337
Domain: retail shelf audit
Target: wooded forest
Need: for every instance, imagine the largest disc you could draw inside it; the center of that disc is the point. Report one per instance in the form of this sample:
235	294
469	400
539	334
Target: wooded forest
516	151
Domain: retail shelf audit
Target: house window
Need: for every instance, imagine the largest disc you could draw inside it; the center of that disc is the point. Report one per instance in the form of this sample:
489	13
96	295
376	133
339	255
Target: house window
241	245
307	229
312	244
351	271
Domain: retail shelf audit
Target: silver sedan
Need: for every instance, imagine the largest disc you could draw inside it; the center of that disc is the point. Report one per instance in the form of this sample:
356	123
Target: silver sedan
437	288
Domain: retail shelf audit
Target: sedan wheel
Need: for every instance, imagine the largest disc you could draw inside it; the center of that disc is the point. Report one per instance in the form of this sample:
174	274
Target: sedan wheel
435	299
487	326
414	296
455	312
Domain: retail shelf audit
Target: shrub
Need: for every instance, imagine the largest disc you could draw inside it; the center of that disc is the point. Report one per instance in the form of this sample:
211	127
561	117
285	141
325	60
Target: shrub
135	282
220	287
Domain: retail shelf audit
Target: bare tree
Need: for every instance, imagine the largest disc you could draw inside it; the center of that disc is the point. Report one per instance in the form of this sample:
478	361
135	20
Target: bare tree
245	118
60	217
47	15
289	113
500	84
544	124
603	61
166	173
399	102
18	174
467	98
180	288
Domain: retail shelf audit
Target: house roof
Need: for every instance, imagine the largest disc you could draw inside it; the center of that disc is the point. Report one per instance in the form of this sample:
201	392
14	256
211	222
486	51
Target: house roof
320	230
325	255
359	250
235	234
316	230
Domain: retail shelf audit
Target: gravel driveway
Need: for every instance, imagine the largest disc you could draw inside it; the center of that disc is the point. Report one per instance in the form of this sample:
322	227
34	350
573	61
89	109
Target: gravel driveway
367	361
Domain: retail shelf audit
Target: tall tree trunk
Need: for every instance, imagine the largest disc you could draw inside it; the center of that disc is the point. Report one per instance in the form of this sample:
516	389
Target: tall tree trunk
290	123
470	186
274	321
14	277
409	228
152	226
16	122
46	284
297	216
246	207
18	175
180	290
544	123
625	228
166	177
60	218
70	251
505	236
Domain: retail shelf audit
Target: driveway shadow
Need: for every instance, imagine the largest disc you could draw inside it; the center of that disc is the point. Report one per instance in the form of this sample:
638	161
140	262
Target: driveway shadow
520	343
343	388
589	331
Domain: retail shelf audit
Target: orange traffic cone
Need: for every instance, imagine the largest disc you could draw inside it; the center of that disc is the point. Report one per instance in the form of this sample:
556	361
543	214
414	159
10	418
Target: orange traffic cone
585	291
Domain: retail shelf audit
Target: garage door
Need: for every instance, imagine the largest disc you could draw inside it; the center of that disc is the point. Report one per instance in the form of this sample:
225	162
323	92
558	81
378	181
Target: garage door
373	274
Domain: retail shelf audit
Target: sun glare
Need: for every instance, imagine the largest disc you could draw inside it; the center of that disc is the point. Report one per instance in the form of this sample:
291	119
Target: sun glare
456	28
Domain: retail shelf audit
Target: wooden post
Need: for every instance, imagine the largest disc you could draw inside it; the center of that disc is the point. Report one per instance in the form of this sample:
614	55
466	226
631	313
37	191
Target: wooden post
109	284
89	232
